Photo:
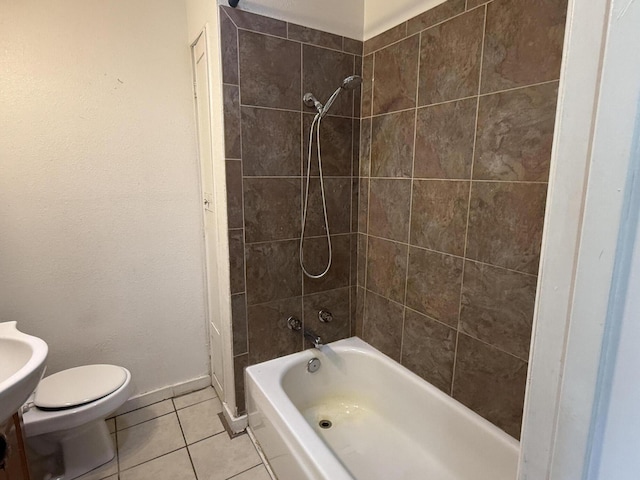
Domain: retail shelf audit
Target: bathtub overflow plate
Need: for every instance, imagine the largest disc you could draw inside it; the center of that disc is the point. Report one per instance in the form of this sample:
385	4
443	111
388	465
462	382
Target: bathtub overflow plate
313	365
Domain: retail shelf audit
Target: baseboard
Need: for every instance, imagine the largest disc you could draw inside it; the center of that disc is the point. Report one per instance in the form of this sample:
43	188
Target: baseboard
236	424
155	396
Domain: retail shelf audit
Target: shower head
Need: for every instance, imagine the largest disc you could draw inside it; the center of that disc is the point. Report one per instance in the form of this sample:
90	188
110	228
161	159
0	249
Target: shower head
352	82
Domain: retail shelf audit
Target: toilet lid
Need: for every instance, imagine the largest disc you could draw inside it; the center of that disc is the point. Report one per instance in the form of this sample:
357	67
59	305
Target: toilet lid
79	385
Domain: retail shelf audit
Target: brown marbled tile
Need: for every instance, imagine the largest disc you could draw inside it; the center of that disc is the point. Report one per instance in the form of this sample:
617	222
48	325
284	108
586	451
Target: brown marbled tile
362	259
366	104
363	205
497	307
239	364
314	37
336	139
355	193
439	215
271	208
338	201
236	260
323	71
505	224
396	70
228	49
239	323
428	349
358	324
434	282
353	272
233	173
383	324
353	46
353	310
444	140
474	3
491	383
515	133
355	148
435	15
387	268
523	43
269	336
392	144
269	71
450	59
257	23
315	260
357	96
385	38
270	142
273	271
365	147
231	100
335	301
389	208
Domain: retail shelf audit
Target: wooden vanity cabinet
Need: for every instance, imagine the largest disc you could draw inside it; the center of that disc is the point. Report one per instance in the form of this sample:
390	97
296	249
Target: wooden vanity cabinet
13	457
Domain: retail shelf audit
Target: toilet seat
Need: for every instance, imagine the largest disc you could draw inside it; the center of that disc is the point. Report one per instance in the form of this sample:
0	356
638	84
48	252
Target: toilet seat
77	386
38	421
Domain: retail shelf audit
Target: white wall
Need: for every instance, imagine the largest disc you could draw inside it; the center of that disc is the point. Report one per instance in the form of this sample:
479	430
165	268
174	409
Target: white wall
381	15
100	224
342	17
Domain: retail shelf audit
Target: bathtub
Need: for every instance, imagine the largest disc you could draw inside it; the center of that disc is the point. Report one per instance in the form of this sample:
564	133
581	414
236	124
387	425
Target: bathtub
386	423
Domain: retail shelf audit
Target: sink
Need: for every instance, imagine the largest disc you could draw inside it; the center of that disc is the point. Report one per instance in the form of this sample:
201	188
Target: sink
22	364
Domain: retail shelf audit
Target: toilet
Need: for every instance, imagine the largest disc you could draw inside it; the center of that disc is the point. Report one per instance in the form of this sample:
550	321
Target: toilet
64	420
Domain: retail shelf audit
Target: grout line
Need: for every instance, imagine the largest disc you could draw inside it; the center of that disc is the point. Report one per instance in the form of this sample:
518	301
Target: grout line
431	179
150	460
307	237
301	296
186	445
466	235
244	29
420	31
236	475
144	421
413	169
452	255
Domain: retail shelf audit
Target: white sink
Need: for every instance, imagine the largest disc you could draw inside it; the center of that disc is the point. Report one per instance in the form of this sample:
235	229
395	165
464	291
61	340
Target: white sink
22	364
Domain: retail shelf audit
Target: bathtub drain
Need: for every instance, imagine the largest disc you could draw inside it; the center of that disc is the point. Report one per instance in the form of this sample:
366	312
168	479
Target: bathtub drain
325	423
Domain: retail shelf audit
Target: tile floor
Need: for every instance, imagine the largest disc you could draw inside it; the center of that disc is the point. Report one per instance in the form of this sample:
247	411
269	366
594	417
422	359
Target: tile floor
179	439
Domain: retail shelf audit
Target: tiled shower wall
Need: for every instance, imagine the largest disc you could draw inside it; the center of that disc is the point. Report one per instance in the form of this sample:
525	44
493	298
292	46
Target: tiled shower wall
268	65
458	112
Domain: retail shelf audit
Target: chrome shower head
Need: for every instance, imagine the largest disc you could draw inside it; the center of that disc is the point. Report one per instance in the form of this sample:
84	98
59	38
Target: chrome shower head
351	82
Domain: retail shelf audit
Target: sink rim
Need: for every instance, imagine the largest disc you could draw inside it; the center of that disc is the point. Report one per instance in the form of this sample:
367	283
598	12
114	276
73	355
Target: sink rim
15	390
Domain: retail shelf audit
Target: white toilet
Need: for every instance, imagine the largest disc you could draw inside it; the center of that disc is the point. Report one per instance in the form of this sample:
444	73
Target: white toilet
65	426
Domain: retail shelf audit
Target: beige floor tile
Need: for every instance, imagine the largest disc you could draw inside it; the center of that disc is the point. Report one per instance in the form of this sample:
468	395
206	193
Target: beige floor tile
173	466
194	397
149	440
219	457
201	420
143	414
256	473
103	471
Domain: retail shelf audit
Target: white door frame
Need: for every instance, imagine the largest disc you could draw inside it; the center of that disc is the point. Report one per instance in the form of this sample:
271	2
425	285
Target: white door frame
222	307
595	121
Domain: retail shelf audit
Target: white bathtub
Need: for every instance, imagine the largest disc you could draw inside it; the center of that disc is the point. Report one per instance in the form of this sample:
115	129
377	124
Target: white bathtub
387	423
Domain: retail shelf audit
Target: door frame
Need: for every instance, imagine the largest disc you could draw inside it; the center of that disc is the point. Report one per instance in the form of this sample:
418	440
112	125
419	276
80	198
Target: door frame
592	152
223	305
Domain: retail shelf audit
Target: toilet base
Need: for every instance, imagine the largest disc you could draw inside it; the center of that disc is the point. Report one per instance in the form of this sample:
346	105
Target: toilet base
71	453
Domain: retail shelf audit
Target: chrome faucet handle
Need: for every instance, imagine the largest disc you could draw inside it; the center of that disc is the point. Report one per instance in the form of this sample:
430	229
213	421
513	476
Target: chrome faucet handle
294	324
325	316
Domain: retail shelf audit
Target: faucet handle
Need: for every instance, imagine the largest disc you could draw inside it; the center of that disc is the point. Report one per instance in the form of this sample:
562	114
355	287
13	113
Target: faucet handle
325	316
294	323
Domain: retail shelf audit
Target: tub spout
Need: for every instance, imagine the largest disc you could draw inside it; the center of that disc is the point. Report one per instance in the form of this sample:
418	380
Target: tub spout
313	337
